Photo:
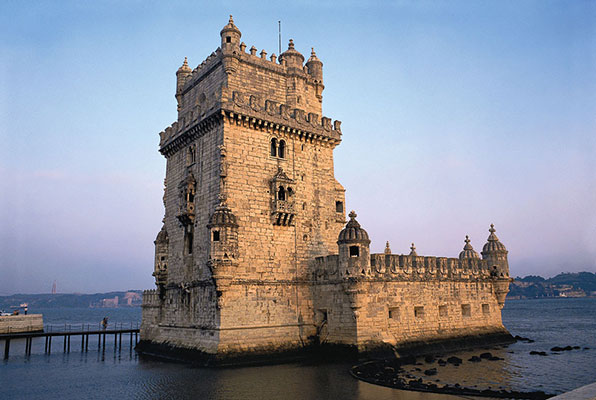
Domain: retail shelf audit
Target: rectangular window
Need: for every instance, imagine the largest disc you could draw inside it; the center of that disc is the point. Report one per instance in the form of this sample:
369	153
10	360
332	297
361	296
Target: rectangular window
485	309
354	251
339	207
442	311
419	312
466	310
394	313
216	236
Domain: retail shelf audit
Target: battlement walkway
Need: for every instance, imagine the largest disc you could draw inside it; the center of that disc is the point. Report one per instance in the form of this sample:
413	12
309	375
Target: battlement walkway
85	332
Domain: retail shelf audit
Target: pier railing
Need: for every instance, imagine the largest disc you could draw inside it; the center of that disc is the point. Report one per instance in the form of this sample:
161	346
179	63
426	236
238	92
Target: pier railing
69	330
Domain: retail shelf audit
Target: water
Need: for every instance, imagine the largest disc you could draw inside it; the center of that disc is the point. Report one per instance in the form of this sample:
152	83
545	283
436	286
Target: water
123	374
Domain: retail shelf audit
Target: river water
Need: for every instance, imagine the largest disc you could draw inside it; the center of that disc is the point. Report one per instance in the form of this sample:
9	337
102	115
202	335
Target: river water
123	374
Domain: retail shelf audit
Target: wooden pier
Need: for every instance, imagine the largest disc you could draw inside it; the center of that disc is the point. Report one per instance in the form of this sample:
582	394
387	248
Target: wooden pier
133	335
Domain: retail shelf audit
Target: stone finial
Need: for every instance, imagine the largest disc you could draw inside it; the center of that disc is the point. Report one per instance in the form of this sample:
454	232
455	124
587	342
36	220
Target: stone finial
263	54
352	214
387	248
413	250
253	51
273	57
184	67
243	47
468	251
492	237
231	21
291	44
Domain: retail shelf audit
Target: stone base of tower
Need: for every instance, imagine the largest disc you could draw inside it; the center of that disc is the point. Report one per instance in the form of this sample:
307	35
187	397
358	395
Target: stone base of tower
327	352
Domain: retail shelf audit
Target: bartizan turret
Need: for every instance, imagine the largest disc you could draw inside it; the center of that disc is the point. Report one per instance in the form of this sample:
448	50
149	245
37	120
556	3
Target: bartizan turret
354	252
160	271
181	76
495	255
314	68
354	262
223	249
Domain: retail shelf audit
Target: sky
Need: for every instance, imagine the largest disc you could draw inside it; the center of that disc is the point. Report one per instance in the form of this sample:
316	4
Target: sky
455	115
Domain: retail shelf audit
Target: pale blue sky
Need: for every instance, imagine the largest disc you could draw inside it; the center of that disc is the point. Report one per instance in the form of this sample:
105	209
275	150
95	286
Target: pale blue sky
455	115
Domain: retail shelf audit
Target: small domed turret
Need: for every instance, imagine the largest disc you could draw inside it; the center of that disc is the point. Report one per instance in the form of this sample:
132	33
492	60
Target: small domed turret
495	254
230	36
468	252
493	244
354	251
183	72
291	56
222	216
353	232
315	67
413	250
223	227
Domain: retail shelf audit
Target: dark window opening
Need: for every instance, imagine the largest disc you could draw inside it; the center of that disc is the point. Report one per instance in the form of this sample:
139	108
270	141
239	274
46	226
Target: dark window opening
273	147
443	311
216	236
281	194
282	149
485	309
191	197
394	313
466	310
339	206
163	258
419	312
228	39
354	251
189	240
290	192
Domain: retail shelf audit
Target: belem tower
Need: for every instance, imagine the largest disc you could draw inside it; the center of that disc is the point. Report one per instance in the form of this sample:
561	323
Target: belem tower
255	257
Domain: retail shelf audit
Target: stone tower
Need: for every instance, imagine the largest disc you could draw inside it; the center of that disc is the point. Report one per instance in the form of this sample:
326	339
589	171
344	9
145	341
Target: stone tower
250	201
253	257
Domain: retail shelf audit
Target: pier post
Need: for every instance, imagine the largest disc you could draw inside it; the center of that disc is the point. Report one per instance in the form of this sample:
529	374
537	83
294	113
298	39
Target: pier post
131	339
104	342
87	343
69	341
82	343
64	342
99	342
45	350
6	348
50	345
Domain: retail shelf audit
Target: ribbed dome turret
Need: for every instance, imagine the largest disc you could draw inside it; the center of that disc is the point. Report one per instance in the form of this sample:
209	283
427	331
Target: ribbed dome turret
493	244
468	251
231	28
353	232
292	57
222	216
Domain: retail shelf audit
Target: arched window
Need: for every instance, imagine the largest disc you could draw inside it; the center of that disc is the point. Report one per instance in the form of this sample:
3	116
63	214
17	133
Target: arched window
281	193
282	149
290	193
273	147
